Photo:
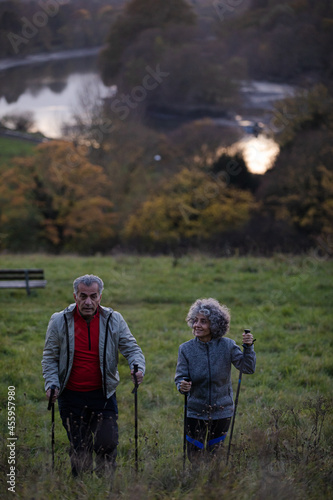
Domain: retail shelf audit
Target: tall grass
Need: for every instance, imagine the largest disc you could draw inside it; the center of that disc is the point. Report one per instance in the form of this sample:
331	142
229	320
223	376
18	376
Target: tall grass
282	443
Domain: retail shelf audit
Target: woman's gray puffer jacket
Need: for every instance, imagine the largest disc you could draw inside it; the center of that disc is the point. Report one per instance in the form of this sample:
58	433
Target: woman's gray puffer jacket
208	366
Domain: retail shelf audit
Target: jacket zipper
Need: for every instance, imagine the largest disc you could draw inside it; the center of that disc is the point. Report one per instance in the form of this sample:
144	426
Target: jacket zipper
104	354
67	345
209	377
89	340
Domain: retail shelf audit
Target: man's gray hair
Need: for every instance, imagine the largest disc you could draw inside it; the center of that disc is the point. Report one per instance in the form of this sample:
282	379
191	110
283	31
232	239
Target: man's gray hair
217	314
88	280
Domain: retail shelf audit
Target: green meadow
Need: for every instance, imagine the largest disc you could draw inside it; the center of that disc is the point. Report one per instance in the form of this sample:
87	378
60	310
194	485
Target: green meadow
11	148
283	435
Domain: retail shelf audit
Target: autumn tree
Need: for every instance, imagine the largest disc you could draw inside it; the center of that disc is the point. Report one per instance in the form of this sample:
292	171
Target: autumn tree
192	207
197	83
19	217
307	110
281	40
198	143
235	171
138	16
298	189
56	200
30	27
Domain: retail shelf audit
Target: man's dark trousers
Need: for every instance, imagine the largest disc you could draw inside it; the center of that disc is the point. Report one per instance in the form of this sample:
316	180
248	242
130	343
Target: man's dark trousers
91	424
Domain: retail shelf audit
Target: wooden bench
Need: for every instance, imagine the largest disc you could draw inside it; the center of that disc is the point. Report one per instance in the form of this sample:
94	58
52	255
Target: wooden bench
22	278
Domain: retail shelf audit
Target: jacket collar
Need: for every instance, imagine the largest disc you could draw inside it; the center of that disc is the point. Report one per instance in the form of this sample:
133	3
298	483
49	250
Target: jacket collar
213	340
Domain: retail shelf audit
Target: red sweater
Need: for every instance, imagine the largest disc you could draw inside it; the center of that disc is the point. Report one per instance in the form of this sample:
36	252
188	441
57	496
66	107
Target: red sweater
86	372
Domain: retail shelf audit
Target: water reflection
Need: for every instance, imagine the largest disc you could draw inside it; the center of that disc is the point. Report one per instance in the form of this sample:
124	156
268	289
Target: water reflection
15	81
51	109
259	152
50	90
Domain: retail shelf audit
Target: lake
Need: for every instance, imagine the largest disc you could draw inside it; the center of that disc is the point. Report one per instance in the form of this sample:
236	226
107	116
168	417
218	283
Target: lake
50	86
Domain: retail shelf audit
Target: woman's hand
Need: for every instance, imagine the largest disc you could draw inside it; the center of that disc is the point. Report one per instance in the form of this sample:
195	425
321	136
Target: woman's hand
185	386
247	338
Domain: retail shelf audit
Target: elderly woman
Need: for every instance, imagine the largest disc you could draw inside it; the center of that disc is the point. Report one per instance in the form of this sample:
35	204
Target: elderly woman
204	373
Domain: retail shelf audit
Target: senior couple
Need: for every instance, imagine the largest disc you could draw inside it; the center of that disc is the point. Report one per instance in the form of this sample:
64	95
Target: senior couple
80	360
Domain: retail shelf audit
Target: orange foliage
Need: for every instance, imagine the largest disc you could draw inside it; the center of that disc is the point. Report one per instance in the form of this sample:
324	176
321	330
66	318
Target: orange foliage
66	196
192	205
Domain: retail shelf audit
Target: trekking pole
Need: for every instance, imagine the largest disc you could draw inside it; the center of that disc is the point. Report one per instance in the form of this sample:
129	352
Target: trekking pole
51	407
135	392
237	395
185	425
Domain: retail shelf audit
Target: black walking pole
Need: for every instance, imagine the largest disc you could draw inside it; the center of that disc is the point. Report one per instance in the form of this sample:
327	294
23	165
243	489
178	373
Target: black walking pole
237	395
51	407
185	425
135	392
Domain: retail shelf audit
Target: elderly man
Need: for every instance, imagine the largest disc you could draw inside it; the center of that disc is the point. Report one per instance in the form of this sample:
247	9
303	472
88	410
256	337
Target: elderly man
80	360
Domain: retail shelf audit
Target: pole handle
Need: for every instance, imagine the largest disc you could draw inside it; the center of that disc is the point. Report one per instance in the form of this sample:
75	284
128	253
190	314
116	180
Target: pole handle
53	388
136	385
136	369
247	330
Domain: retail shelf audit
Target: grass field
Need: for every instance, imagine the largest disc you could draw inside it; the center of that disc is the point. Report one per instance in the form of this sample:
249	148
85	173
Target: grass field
11	148
282	443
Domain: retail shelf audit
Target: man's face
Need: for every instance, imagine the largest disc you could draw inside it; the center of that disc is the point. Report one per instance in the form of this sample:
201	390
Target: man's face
87	299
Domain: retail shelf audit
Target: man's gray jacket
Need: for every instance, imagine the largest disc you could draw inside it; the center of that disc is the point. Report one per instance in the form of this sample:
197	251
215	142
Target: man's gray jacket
208	366
114	336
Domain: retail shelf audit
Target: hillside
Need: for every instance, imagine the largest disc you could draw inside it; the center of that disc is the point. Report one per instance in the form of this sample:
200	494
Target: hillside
282	442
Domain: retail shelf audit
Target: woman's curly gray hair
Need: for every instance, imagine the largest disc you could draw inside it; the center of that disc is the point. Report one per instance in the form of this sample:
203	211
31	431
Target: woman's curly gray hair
218	315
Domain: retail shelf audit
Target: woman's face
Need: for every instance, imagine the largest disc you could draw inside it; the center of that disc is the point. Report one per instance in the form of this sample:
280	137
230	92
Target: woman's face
201	328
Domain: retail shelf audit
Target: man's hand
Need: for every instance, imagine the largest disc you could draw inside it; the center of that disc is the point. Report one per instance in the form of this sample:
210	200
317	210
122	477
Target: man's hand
139	377
55	395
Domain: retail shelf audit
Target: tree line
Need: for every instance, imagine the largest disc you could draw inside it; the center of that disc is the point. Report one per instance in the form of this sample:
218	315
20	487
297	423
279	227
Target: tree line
287	42
119	182
137	189
29	27
226	39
